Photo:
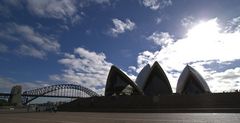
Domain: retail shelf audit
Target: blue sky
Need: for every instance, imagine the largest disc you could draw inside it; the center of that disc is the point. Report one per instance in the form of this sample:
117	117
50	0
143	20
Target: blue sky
45	42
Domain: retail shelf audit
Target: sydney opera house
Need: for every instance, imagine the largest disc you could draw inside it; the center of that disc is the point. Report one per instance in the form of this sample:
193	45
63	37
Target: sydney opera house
152	81
152	92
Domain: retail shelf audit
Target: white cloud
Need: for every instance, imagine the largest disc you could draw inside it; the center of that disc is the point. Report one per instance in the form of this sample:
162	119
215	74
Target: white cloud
29	39
156	4
3	48
187	21
161	38
14	3
6	5
203	45
132	68
158	20
145	58
45	42
59	9
227	80
31	51
86	3
55	77
87	68
7	83
101	1
66	10
121	26
234	25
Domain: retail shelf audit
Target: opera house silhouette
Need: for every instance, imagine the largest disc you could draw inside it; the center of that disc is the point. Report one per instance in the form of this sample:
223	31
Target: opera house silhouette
152	81
152	92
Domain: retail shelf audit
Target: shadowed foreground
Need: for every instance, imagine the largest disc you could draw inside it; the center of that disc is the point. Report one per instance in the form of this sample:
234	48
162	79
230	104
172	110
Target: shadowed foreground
208	103
83	117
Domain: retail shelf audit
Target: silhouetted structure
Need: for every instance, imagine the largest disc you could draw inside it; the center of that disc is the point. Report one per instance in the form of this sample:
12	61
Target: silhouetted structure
142	76
191	82
157	82
151	81
82	92
54	91
152	92
119	83
15	97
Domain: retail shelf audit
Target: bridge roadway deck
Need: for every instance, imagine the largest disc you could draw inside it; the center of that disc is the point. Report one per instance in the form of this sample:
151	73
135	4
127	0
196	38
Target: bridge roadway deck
84	117
35	95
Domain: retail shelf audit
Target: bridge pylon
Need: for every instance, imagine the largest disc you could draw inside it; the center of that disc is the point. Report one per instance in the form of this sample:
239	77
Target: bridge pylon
15	96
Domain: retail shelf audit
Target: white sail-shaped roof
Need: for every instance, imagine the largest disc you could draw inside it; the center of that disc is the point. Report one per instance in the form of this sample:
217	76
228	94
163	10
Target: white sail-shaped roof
191	82
117	82
157	82
142	76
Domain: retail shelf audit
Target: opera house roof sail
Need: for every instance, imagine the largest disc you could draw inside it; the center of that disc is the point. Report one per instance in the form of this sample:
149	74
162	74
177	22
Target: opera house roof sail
119	83
191	82
157	82
142	76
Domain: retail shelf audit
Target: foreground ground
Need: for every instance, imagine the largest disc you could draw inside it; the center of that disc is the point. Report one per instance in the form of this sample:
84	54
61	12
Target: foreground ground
83	117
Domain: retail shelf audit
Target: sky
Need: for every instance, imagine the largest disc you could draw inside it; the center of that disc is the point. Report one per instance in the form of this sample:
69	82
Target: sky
47	42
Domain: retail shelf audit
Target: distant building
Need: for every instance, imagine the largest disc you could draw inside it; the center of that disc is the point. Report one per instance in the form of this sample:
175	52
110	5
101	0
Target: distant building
152	81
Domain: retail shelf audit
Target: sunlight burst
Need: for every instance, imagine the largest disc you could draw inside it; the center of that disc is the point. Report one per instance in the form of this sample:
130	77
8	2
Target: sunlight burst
205	30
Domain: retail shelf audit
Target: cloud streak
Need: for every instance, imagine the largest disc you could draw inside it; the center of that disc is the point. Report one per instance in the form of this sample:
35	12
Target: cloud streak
30	42
7	83
58	9
31	51
3	48
66	10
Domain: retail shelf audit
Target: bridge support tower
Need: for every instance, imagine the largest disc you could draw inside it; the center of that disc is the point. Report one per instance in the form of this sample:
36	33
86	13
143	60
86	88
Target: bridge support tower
15	97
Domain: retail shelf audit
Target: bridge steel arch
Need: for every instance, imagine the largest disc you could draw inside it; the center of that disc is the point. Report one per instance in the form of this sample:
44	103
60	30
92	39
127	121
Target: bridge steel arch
48	89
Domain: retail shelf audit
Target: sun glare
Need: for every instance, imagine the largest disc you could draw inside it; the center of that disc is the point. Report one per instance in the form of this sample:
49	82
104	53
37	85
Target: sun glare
208	29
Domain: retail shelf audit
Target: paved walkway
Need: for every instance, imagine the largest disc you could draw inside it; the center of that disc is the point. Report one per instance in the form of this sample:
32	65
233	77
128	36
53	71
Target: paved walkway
82	117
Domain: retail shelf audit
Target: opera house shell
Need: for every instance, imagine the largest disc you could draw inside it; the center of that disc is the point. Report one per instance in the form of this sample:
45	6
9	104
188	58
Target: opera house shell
142	76
119	83
152	81
157	82
191	82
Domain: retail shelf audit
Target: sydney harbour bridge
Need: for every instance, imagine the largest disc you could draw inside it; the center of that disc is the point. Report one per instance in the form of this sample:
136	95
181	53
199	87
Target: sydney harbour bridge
57	91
